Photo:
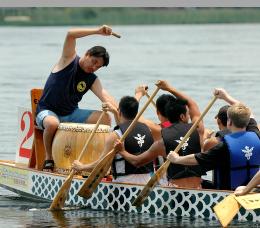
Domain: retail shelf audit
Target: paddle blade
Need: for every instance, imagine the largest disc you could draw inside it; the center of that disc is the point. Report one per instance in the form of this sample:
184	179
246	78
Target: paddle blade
249	202
60	198
226	209
150	185
96	176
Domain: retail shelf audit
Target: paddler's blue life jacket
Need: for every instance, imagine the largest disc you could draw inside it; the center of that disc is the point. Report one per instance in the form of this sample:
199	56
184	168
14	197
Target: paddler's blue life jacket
244	150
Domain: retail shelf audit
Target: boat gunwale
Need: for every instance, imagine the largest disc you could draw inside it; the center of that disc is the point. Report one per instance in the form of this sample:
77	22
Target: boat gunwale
79	177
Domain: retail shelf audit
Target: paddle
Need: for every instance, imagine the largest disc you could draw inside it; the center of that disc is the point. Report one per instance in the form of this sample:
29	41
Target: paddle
116	35
149	98
162	170
226	209
230	205
59	199
102	167
250	201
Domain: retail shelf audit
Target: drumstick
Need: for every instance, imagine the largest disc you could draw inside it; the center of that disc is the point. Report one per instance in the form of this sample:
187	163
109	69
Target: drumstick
116	35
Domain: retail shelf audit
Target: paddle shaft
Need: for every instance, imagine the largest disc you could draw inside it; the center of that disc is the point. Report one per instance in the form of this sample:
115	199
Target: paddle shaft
116	35
149	98
160	172
59	199
91	135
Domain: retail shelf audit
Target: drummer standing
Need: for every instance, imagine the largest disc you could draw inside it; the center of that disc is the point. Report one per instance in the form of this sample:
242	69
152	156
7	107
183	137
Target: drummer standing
68	81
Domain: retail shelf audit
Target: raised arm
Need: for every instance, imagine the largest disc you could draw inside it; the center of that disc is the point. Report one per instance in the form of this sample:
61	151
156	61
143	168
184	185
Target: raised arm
192	105
220	93
224	95
69	46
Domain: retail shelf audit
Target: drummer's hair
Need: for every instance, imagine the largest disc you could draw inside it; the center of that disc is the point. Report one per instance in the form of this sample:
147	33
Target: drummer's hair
174	109
128	106
161	103
99	51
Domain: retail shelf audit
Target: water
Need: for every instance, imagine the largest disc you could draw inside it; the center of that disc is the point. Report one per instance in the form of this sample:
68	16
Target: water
192	58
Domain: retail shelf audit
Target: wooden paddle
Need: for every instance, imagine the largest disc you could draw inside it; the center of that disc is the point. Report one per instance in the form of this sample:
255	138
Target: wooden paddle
249	201
59	199
102	167
226	209
230	205
148	96
116	35
162	170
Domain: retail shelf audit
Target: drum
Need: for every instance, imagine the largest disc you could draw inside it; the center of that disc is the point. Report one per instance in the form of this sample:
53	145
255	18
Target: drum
69	141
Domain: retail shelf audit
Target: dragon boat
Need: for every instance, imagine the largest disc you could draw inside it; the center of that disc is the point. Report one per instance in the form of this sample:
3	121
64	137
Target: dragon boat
24	177
43	186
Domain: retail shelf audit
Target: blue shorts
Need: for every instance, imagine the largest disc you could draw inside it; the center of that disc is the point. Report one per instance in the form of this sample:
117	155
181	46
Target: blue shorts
77	116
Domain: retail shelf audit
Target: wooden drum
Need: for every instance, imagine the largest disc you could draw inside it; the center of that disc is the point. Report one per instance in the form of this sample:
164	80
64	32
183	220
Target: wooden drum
70	139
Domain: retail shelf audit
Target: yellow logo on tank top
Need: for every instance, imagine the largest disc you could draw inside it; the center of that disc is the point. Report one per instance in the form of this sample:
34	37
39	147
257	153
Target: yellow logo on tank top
81	86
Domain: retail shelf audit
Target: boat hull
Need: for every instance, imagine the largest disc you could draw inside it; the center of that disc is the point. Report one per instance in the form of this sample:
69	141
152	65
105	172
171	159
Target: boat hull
168	201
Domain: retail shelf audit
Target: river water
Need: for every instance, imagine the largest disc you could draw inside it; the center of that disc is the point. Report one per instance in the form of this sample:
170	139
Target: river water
193	58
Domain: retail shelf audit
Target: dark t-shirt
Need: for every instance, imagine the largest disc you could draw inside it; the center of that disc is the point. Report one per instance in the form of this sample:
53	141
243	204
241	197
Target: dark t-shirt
218	157
64	89
221	134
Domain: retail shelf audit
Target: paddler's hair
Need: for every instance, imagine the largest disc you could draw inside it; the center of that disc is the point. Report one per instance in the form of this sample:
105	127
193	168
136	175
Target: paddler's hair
174	109
128	106
99	51
239	114
161	103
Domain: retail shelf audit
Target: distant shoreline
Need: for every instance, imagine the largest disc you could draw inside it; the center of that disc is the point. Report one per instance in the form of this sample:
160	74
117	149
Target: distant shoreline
125	16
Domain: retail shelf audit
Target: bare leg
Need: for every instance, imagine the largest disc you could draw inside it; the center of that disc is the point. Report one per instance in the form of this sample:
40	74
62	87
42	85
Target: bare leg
93	118
50	124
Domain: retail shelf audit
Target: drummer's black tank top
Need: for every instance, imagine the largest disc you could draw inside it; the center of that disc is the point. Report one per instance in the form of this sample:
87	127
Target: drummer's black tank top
64	89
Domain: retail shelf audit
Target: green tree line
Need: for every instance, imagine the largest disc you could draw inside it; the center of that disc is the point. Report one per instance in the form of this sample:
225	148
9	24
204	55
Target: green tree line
124	16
